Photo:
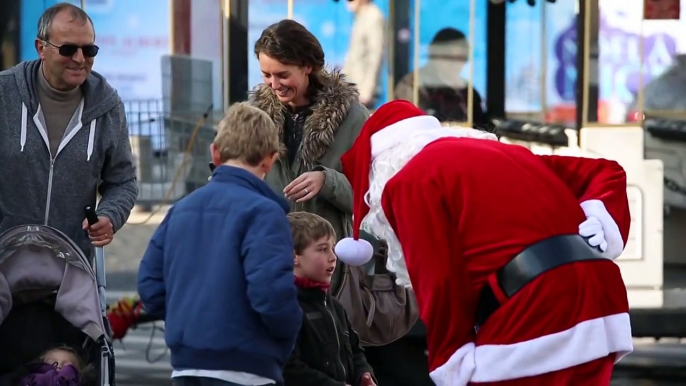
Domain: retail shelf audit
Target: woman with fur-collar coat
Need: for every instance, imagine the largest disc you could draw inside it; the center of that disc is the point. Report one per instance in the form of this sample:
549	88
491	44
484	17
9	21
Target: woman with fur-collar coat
319	116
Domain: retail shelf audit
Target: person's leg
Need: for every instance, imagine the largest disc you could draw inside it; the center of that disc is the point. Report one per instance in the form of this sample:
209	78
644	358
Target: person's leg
401	363
186	381
200	381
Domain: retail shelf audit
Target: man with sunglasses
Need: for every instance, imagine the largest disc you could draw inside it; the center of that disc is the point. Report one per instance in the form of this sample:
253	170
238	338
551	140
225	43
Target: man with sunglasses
63	136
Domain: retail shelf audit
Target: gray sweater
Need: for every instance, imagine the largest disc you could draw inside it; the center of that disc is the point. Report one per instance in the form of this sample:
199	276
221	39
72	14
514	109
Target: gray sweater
94	155
58	109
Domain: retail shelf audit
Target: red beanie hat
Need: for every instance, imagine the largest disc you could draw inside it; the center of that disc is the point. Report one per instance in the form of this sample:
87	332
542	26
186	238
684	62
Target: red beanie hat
356	164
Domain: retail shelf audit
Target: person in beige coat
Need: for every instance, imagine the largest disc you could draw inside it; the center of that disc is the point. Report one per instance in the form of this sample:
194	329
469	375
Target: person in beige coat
366	50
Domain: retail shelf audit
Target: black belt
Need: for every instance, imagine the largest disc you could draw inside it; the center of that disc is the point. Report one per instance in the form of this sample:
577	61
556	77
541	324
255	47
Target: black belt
529	264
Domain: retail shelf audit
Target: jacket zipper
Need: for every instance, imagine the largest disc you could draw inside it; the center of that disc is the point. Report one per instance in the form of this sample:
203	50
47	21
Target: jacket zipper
52	160
344	279
338	341
47	202
50	175
289	170
290	176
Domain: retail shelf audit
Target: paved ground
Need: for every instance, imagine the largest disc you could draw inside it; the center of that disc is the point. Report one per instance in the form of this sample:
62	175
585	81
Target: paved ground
651	365
122	260
644	368
123	256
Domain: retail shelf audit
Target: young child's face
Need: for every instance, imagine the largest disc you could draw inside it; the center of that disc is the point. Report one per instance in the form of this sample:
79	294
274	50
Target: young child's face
318	261
60	358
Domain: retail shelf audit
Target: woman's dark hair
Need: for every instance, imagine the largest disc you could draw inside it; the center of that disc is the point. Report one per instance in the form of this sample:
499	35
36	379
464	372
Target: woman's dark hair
291	43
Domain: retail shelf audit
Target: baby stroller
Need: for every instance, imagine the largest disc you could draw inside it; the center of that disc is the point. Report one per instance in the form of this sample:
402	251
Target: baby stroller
50	295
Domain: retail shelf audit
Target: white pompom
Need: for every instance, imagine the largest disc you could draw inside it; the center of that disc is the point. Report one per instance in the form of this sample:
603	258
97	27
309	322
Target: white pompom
354	252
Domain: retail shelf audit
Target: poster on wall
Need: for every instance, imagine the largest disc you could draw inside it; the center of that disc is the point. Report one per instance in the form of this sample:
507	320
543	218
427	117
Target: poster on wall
623	71
261	14
132	36
523	72
435	15
542	68
206	42
331	23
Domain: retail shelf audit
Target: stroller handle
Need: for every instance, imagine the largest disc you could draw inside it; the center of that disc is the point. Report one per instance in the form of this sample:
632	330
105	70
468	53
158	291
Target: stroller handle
91	216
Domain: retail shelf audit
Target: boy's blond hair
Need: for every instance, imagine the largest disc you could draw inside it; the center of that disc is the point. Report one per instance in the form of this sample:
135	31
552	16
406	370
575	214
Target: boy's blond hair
307	228
246	134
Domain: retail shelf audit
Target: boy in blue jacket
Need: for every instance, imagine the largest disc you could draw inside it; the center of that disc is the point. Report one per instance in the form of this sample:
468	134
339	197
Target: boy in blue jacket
219	269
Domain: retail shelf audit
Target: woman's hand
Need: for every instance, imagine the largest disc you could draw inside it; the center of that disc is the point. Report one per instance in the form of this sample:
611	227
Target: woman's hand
305	187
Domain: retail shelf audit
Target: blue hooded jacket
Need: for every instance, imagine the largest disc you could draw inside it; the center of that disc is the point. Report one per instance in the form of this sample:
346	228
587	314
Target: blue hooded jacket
219	270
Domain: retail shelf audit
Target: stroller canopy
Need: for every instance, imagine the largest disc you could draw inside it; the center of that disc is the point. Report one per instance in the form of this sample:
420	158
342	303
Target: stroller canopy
37	261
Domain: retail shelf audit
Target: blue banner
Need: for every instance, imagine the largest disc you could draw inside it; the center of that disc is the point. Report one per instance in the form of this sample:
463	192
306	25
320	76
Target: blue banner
132	36
331	22
435	15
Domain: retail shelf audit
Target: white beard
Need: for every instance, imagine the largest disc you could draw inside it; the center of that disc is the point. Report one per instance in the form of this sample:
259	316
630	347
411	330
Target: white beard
386	165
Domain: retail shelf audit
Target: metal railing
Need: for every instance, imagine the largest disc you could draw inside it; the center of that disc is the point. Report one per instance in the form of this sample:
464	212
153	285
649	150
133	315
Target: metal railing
170	137
170	150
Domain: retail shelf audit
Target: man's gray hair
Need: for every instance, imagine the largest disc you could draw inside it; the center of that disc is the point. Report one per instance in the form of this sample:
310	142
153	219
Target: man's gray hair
46	19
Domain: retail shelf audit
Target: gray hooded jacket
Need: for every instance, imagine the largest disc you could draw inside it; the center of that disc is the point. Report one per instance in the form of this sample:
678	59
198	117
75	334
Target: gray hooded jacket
42	188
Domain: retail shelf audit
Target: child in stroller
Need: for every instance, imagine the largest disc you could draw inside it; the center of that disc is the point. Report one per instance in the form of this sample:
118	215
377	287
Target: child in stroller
49	296
60	366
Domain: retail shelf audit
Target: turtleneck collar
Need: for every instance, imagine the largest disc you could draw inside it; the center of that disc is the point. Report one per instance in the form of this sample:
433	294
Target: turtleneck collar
305	283
54	94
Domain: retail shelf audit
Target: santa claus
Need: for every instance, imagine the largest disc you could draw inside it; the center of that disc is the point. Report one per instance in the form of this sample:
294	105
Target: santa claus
510	254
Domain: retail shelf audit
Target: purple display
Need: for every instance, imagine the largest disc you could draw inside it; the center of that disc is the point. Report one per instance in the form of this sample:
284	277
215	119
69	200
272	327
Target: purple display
619	58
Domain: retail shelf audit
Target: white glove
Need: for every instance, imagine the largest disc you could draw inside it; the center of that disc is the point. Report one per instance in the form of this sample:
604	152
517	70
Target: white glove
593	229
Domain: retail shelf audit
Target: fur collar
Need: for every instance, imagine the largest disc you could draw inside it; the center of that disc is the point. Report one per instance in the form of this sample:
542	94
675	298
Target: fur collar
329	110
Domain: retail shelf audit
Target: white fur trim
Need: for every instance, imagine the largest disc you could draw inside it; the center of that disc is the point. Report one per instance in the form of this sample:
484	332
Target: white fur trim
400	131
615	243
583	343
458	370
392	148
354	252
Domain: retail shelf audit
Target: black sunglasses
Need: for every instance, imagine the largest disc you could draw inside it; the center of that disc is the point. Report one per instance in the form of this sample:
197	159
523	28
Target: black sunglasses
69	50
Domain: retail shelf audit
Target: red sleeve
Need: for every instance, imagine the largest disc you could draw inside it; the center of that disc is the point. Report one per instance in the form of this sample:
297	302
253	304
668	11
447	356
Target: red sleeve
421	220
600	185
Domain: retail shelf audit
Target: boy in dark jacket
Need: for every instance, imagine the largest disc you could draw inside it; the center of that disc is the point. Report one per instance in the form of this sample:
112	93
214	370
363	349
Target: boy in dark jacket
219	269
327	352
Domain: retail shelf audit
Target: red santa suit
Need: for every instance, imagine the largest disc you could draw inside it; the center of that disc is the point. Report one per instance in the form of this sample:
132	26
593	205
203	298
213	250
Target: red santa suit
455	206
